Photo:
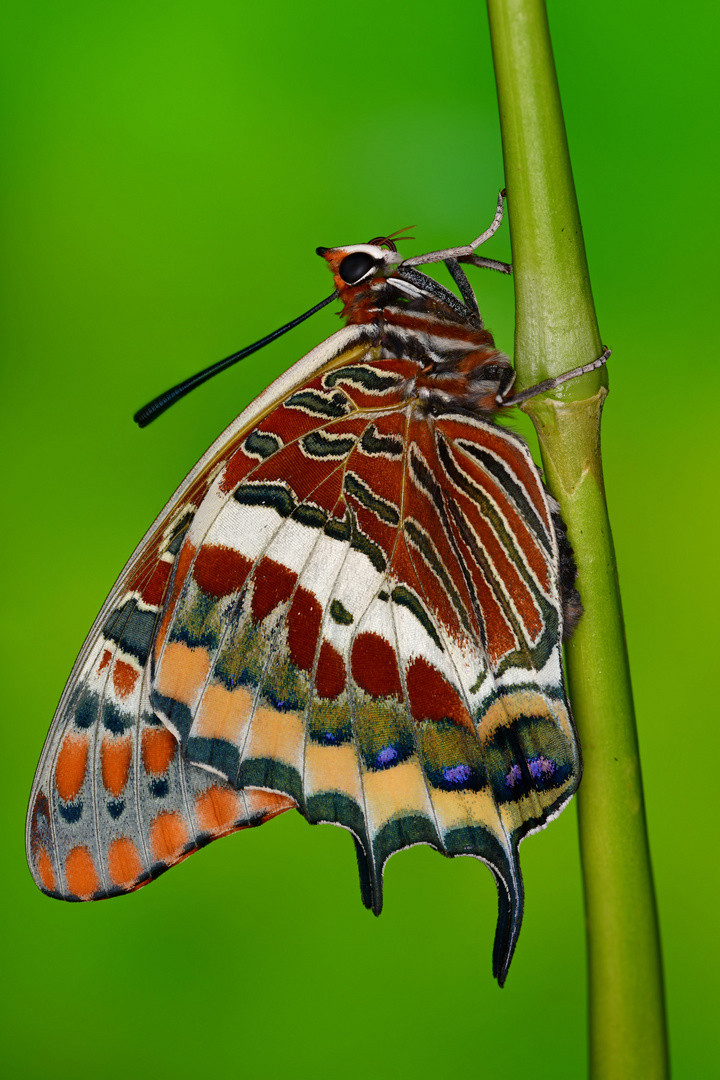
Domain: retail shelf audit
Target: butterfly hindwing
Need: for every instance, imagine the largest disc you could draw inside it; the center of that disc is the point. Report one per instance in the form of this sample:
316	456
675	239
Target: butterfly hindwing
355	634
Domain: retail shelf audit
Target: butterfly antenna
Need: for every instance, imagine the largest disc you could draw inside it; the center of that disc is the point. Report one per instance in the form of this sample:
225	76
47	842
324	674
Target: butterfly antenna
396	235
158	405
389	242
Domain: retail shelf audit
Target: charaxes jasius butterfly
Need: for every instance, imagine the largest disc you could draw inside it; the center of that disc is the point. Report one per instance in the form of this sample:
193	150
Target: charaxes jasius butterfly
353	606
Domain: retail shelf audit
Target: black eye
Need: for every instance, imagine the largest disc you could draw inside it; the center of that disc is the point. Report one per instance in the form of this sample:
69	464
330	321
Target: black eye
356	266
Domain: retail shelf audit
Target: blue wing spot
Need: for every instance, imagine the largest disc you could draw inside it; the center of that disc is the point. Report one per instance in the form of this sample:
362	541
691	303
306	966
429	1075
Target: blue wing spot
386	756
457	774
159	787
513	777
541	769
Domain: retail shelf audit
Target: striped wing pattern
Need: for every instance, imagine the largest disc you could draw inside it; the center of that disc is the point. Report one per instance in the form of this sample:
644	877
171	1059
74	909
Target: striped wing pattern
353	610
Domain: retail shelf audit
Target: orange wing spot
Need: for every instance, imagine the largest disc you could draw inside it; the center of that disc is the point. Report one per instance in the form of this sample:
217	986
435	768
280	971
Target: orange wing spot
168	836
105	660
44	866
80	873
158	749
124	862
267	803
71	766
124	678
217	809
182	672
115	757
224	714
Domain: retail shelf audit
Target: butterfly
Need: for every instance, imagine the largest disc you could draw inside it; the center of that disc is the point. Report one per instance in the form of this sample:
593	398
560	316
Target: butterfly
353	606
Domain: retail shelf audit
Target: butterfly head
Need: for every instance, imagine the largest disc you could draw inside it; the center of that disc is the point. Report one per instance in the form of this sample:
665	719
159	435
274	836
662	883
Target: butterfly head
358	264
359	271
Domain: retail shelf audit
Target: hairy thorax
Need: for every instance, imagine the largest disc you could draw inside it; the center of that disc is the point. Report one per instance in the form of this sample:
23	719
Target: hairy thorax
458	365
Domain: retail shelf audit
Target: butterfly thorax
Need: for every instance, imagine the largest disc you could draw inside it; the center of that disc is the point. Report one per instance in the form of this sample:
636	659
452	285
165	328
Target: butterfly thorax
458	364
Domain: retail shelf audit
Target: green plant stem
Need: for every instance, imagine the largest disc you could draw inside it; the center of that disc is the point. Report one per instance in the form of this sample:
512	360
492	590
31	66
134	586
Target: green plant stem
556	330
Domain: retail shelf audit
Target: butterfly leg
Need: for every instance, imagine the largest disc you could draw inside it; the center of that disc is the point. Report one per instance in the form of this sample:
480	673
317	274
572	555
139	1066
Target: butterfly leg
466	290
550	384
487	264
466	249
460	278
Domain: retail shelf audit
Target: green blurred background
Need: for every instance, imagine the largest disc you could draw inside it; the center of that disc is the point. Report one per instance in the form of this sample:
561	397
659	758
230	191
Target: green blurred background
169	169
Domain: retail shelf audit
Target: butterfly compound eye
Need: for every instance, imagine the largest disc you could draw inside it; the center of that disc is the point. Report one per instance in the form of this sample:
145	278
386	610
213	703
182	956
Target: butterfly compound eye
356	266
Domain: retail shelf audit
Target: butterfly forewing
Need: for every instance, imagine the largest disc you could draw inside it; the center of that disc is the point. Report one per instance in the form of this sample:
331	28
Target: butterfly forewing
351	607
